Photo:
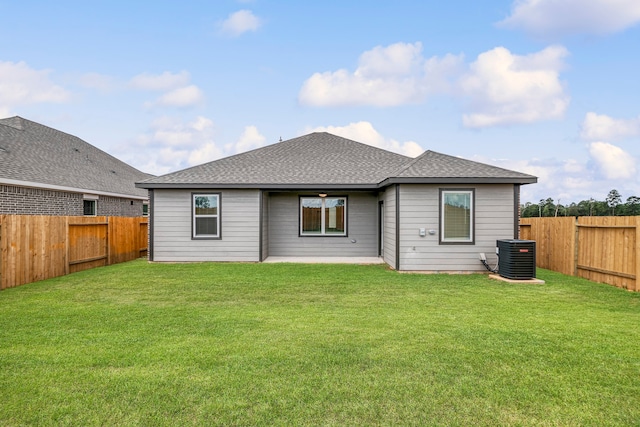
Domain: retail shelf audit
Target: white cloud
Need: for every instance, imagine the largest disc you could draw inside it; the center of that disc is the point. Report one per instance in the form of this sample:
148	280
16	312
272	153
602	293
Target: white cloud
250	139
441	73
603	127
571	180
175	133
543	169
400	59
239	23
178	92
173	144
205	153
22	85
160	82
182	97
386	76
547	18
573	166
365	132
100	82
501	88
504	88
612	161
201	124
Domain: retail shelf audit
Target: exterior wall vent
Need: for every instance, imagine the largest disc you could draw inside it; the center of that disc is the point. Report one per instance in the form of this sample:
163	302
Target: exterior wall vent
516	259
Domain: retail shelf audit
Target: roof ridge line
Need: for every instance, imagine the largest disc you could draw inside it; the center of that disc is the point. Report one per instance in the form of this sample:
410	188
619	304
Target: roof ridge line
361	143
7	121
408	164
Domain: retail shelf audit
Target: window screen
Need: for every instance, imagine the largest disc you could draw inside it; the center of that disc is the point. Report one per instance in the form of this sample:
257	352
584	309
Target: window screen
457	216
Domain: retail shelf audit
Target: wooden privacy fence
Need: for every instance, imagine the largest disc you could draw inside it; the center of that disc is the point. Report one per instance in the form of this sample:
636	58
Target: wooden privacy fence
602	249
35	248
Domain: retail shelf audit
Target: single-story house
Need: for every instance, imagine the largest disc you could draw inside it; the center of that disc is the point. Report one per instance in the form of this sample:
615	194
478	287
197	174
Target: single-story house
47	172
321	195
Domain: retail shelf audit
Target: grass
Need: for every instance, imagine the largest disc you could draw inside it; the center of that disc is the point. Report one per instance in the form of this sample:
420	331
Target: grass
278	344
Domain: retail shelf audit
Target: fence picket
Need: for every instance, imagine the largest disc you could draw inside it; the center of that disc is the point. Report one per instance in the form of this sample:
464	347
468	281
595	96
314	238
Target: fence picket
601	249
39	247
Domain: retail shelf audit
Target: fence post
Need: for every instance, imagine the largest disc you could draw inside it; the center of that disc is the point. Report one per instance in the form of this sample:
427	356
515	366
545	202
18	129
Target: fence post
67	249
1	257
576	242
637	260
108	243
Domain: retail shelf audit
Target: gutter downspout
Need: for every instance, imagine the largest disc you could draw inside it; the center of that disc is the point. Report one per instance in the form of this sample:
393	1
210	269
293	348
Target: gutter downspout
152	210
516	211
261	225
397	227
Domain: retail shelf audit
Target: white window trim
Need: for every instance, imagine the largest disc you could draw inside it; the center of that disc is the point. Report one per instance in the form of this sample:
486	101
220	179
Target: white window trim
471	238
322	217
194	216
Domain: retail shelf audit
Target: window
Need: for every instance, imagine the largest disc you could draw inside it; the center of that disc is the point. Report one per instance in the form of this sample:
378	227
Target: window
206	216
457	216
323	216
145	209
89	207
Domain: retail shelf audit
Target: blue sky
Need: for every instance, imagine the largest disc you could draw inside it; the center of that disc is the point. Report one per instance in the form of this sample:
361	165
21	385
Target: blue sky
547	87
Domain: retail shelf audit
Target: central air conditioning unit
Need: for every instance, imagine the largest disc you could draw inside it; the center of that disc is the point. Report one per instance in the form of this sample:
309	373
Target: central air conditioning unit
516	259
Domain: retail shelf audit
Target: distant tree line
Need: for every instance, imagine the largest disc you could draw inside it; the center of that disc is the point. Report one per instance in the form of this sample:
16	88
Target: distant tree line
613	206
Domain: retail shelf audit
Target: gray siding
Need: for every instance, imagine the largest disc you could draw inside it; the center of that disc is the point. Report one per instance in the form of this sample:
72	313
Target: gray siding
279	235
389	227
419	204
240	227
362	226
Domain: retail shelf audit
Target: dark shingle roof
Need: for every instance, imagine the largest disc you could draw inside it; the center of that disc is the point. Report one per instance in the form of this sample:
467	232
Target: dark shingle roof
323	160
439	167
37	154
318	158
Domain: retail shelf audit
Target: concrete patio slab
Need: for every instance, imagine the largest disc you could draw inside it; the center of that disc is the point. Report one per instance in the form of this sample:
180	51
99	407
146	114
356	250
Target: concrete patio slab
325	260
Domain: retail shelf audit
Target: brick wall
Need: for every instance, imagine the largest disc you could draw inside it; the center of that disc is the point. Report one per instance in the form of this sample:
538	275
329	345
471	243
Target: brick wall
36	201
114	206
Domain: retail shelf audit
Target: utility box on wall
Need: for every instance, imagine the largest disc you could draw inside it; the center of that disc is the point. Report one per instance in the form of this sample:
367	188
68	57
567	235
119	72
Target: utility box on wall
516	259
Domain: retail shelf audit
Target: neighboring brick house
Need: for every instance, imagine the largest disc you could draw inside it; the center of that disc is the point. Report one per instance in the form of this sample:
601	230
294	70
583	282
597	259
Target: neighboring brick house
47	172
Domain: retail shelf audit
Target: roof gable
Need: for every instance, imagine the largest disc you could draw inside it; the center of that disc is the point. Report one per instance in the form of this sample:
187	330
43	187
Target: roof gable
37	154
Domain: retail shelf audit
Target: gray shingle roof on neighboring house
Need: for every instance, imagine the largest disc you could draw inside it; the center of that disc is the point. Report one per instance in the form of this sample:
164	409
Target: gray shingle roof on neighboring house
323	160
35	155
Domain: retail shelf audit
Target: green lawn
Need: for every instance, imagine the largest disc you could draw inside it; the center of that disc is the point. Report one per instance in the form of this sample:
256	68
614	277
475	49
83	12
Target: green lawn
286	344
